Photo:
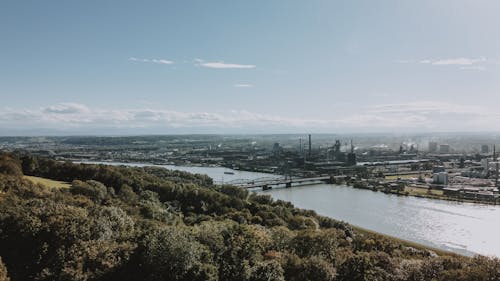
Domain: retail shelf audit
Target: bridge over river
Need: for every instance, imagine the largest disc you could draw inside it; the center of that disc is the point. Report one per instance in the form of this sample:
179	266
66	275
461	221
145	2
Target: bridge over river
269	183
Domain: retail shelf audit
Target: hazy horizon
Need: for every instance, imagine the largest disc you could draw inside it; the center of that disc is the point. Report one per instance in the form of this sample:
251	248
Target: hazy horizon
55	133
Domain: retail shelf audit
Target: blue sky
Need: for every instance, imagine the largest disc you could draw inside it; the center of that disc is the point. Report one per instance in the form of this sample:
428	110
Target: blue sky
249	66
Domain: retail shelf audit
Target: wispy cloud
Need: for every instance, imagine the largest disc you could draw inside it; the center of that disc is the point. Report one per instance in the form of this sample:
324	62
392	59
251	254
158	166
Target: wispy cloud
157	61
455	61
243	85
223	65
66	108
424	107
464	63
422	116
473	67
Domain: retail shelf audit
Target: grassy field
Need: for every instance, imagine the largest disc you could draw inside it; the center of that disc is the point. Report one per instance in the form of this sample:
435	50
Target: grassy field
416	190
48	182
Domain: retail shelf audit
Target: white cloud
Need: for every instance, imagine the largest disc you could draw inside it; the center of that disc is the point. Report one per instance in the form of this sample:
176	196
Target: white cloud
424	116
463	62
425	61
66	108
158	61
243	85
473	67
74	116
374	122
459	61
223	65
411	116
424	107
162	61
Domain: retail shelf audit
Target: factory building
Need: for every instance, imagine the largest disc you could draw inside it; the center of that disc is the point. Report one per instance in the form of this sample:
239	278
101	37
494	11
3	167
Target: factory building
440	178
433	146
485	149
444	148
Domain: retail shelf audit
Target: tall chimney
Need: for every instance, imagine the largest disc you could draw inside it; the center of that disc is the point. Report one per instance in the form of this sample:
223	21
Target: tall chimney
310	145
496	164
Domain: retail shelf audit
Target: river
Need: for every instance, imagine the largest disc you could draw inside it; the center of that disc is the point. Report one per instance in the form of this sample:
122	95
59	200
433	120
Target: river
218	174
463	228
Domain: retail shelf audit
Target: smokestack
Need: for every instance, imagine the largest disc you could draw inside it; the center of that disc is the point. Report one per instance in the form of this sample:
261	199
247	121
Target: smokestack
496	164
496	176
310	145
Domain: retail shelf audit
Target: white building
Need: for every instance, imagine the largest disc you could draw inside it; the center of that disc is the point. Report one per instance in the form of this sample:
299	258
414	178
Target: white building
440	178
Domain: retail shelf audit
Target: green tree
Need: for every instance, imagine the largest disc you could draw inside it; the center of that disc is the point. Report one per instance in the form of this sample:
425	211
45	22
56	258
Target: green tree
266	271
91	189
173	254
88	260
309	269
361	267
152	208
9	165
323	243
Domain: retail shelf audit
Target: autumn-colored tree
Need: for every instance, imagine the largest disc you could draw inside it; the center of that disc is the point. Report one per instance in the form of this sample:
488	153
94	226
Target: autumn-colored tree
3	272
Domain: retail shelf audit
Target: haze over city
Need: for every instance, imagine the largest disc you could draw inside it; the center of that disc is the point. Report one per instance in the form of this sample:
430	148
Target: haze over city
95	67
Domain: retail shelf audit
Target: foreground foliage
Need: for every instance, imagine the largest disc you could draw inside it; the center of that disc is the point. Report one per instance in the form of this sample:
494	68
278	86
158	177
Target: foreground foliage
122	223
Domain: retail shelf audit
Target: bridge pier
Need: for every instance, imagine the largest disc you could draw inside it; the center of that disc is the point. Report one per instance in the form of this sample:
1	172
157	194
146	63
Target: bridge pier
331	180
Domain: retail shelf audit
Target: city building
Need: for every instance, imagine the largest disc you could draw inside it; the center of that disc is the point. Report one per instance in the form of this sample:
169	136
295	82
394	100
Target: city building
485	148
433	146
444	148
440	178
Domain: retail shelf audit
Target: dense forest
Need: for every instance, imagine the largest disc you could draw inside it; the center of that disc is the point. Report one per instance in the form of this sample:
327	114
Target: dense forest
124	223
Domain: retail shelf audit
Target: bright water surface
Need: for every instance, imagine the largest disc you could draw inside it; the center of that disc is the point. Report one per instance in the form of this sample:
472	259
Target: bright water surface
463	228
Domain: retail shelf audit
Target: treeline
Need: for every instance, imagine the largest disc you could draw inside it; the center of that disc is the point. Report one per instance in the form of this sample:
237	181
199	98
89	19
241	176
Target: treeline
122	223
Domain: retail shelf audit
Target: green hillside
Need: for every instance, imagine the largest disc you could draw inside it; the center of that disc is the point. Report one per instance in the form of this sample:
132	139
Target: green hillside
123	223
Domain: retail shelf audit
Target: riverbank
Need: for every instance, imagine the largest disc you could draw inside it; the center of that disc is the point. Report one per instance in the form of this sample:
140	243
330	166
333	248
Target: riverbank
396	190
428	194
405	190
430	250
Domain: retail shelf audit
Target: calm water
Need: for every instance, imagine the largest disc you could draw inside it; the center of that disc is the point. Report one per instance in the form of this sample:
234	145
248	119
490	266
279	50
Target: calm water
459	227
218	174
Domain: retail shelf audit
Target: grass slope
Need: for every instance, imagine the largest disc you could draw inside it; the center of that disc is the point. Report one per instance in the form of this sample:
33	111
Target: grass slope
47	182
